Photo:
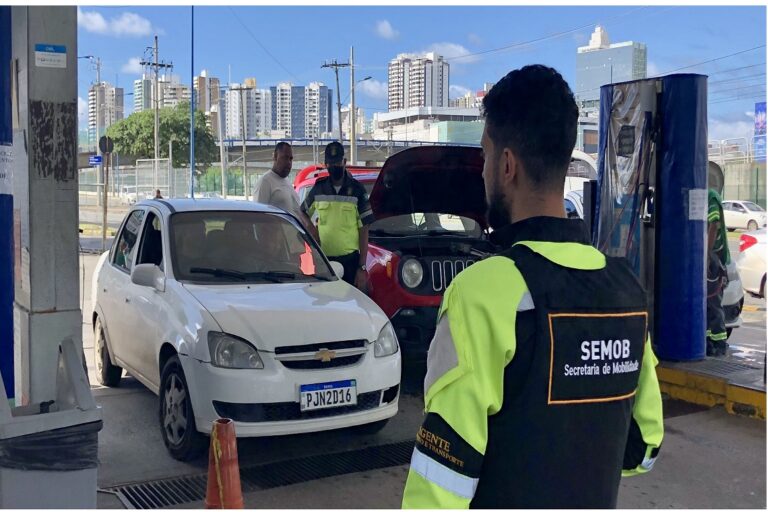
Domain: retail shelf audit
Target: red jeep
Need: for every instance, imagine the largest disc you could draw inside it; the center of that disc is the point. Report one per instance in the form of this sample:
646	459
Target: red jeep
429	204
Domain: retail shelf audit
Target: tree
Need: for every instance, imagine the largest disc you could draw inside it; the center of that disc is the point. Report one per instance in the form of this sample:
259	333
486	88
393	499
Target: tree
134	136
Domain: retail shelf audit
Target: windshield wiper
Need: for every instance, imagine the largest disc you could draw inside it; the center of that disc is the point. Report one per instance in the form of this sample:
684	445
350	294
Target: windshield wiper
218	272
272	275
443	232
284	274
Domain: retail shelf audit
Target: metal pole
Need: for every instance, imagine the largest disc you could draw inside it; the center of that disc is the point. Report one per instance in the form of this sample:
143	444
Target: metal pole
245	163
352	116
170	167
192	115
338	104
222	151
104	206
157	120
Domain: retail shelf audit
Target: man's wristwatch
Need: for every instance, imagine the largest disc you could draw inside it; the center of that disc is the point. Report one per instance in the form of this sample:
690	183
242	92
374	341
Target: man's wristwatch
362	267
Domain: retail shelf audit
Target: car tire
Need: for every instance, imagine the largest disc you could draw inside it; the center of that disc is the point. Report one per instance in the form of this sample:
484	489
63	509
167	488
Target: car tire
107	373
731	230
370	429
177	420
751	225
762	288
728	332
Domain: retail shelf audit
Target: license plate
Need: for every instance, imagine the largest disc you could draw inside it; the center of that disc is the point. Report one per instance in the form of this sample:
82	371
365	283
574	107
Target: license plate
328	394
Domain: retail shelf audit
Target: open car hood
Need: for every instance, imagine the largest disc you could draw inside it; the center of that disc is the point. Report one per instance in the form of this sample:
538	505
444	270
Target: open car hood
431	179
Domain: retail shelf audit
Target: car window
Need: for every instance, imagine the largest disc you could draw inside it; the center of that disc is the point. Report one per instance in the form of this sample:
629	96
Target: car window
151	246
123	254
753	207
236	247
570	209
727	206
737	207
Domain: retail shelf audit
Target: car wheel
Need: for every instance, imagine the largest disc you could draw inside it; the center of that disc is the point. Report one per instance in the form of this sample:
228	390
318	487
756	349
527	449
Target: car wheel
752	225
370	429
731	229
177	421
107	373
762	287
728	332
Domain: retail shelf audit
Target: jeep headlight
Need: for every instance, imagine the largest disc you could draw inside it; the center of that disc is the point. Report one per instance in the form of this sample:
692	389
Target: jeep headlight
412	273
230	352
386	344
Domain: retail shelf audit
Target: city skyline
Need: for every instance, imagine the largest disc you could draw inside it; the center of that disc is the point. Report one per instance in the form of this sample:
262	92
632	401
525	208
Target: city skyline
730	40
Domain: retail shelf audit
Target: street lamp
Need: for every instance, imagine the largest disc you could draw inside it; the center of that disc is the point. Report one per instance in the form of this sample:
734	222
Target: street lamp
352	110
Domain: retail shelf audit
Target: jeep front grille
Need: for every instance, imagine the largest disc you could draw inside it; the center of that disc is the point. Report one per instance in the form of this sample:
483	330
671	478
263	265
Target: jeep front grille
443	272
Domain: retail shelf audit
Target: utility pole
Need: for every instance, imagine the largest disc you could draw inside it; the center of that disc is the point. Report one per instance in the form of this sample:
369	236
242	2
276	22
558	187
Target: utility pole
242	89
336	65
156	104
352	117
222	151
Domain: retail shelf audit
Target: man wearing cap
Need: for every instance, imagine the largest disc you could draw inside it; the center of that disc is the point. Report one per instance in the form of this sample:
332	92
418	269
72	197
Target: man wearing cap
339	206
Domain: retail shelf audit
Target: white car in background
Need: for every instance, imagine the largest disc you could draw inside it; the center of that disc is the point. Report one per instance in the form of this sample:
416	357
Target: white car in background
744	215
751	262
229	309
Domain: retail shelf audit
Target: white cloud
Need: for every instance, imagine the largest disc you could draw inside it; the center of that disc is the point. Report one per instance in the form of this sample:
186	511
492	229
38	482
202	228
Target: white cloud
720	129
132	67
458	91
82	110
653	69
452	51
127	24
749	114
474	39
385	30
373	89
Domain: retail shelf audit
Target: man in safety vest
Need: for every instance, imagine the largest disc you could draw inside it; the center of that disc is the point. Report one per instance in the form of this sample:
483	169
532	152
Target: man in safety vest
339	205
541	390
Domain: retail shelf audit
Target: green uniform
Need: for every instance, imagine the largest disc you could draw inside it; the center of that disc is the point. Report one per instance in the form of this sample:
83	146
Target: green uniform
339	214
541	389
717	275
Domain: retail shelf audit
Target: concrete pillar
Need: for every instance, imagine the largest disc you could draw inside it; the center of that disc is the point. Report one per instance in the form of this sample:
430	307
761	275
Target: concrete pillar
6	205
47	296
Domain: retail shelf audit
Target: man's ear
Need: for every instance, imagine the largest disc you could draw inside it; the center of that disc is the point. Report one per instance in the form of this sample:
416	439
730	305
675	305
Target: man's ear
510	167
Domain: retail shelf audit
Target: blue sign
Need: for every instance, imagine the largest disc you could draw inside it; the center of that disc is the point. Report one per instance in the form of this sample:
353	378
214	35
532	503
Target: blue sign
50	48
760	132
94	160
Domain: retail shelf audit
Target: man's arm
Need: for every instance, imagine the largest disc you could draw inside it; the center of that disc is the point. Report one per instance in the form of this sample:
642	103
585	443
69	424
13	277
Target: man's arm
646	430
263	192
366	218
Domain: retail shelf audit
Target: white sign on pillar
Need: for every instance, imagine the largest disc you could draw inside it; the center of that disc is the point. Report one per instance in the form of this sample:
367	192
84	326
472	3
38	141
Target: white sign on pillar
6	159
50	56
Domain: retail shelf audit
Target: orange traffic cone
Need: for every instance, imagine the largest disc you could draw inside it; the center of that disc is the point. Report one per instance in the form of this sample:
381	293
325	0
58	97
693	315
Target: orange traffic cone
224	489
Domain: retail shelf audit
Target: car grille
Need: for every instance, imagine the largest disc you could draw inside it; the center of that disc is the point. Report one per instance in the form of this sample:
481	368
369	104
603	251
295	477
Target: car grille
307	357
288	411
444	271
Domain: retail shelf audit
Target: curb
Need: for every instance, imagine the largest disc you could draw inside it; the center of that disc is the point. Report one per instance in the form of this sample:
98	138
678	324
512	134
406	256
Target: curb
752	309
710	391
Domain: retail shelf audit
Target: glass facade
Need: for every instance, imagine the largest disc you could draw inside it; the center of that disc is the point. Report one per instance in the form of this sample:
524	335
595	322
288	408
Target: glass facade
618	63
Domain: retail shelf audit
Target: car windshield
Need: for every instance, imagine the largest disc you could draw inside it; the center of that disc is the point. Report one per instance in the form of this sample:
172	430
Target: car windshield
753	207
243	247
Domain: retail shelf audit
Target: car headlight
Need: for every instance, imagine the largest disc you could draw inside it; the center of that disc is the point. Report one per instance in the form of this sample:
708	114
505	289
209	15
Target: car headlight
386	344
412	273
230	352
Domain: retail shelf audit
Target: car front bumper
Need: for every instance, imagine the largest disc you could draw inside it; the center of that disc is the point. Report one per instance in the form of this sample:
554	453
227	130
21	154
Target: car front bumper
266	402
415	328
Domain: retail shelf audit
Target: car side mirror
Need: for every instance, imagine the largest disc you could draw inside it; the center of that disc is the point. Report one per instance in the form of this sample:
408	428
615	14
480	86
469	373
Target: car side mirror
338	269
148	275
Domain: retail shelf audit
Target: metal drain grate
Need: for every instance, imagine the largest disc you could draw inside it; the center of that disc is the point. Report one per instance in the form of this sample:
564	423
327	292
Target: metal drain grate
177	491
718	367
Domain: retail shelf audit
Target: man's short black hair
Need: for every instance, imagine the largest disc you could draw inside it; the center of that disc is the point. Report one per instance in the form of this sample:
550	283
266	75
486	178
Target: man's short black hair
532	112
279	147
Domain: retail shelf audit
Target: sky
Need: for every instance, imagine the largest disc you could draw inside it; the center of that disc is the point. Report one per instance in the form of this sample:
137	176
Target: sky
275	44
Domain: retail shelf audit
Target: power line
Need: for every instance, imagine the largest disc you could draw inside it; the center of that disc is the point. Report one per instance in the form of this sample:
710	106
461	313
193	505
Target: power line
735	69
742	98
737	79
728	91
542	38
253	36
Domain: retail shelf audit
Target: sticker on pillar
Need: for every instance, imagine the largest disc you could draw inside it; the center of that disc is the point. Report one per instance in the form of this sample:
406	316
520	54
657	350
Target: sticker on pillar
50	56
626	142
697	204
6	159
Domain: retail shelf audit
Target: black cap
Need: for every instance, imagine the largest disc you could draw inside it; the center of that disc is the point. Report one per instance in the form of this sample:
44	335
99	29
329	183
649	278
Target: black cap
334	153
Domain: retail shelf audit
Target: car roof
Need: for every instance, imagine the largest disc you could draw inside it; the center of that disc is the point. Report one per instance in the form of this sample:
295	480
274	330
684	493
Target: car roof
169	206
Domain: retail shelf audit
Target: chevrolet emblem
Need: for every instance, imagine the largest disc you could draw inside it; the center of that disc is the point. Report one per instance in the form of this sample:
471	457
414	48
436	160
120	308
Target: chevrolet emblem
325	355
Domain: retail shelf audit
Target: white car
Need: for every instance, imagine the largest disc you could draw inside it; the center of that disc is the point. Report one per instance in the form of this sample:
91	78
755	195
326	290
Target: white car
229	309
751	262
744	215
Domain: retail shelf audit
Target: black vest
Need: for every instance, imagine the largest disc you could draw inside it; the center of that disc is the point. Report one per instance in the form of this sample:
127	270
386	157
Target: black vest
559	439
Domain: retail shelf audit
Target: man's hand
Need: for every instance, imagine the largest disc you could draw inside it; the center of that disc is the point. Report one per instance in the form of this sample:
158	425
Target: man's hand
361	280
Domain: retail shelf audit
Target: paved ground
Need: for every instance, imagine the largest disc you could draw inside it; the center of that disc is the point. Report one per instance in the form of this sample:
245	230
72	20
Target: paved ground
709	460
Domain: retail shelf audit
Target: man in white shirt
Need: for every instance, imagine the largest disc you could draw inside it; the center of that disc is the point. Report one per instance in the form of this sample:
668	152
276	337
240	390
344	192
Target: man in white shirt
275	189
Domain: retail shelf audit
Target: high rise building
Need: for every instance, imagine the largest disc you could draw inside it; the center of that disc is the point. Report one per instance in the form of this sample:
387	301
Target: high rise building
418	81
170	91
361	126
258	111
601	63
105	107
207	96
300	111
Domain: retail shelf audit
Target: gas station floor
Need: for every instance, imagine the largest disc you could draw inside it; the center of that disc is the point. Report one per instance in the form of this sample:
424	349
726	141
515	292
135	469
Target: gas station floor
710	459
